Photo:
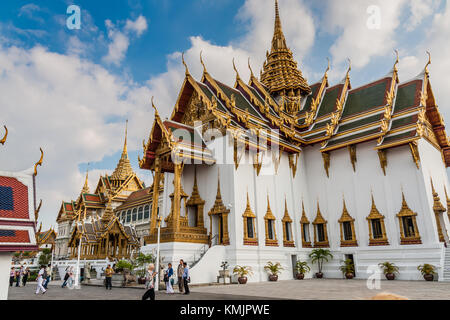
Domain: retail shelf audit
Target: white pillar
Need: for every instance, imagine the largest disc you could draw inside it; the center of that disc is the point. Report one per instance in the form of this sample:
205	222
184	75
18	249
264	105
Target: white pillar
157	255
77	278
5	268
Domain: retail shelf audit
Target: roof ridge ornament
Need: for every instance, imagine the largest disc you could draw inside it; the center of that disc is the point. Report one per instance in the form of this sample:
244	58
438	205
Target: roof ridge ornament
203	64
185	65
237	72
39	163
251	70
428	63
3	140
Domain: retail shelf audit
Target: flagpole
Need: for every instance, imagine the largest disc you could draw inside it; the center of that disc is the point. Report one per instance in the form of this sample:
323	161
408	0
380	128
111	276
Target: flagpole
77	282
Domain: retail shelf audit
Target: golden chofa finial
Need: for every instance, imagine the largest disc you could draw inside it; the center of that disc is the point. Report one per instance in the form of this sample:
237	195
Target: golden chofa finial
36	212
201	61
39	163
250	67
429	62
184	63
154	107
6	135
397	60
235	69
349	65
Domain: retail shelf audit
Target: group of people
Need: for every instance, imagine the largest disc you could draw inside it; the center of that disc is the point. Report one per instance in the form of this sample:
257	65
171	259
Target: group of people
18	275
68	277
182	275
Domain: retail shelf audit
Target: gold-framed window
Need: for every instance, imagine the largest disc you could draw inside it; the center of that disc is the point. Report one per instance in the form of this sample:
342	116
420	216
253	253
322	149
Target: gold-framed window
347	228
377	229
409	232
288	237
270	220
304	225
320	230
249	219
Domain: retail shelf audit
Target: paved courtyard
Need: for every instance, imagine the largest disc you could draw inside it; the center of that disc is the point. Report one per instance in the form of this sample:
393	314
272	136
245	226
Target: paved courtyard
315	289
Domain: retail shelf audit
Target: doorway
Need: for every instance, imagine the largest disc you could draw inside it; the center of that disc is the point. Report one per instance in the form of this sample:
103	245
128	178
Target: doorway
294	266
350	257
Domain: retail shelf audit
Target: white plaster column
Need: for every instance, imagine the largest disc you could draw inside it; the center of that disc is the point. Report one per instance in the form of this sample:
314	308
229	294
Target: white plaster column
5	267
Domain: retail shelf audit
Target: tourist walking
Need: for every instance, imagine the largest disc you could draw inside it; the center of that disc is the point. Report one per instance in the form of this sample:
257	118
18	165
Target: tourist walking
180	271
108	277
40	279
150	283
186	278
48	273
19	275
168	279
12	275
26	273
70	279
66	277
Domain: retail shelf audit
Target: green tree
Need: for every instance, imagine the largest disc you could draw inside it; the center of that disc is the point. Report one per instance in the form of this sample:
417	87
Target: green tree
320	256
45	257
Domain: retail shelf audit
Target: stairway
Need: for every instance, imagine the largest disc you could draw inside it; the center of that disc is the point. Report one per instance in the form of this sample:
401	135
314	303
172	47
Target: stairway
446	271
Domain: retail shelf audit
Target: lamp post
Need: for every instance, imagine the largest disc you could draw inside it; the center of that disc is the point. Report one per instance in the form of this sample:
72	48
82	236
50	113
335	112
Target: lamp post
77	278
157	253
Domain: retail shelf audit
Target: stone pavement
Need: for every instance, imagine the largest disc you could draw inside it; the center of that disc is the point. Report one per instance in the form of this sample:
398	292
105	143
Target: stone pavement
334	289
55	292
314	289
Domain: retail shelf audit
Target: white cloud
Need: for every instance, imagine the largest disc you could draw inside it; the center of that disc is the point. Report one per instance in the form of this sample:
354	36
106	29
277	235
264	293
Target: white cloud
120	39
420	9
64	105
138	26
349	19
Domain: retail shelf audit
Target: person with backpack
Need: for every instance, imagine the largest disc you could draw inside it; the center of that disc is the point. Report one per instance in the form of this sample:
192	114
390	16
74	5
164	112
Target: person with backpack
108	277
168	279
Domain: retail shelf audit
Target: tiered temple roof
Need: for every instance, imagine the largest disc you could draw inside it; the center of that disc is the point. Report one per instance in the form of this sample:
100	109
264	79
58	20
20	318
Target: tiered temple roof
388	111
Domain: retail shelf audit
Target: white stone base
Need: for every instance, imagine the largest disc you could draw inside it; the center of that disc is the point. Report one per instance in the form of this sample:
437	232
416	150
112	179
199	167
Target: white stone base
5	267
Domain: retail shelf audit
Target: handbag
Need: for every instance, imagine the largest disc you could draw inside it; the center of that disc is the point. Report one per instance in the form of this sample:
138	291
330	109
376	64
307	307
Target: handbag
172	281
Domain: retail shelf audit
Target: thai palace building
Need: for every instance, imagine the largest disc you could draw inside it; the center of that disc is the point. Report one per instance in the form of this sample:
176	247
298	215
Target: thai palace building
267	170
110	222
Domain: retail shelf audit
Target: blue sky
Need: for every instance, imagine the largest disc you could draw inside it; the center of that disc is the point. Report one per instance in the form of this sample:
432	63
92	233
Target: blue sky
70	91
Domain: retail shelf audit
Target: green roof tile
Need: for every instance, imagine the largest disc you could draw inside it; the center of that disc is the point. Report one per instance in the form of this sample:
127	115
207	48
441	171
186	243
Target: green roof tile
355	136
408	96
366	98
329	100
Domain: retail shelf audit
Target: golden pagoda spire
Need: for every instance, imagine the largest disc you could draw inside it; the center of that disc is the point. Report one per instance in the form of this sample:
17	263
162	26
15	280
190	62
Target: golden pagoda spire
108	215
123	169
86	184
280	73
278	41
437	205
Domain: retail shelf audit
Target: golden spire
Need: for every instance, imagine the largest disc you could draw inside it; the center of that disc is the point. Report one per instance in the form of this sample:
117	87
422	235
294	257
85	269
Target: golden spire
280	73
123	169
39	163
86	184
248	209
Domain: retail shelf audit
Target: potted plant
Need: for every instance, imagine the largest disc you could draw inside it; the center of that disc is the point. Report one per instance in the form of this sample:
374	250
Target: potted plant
242	272
224	272
348	269
389	269
301	267
320	256
428	271
142	260
274	269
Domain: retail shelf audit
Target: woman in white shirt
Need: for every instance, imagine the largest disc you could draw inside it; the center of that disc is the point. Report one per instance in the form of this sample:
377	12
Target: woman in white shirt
40	280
